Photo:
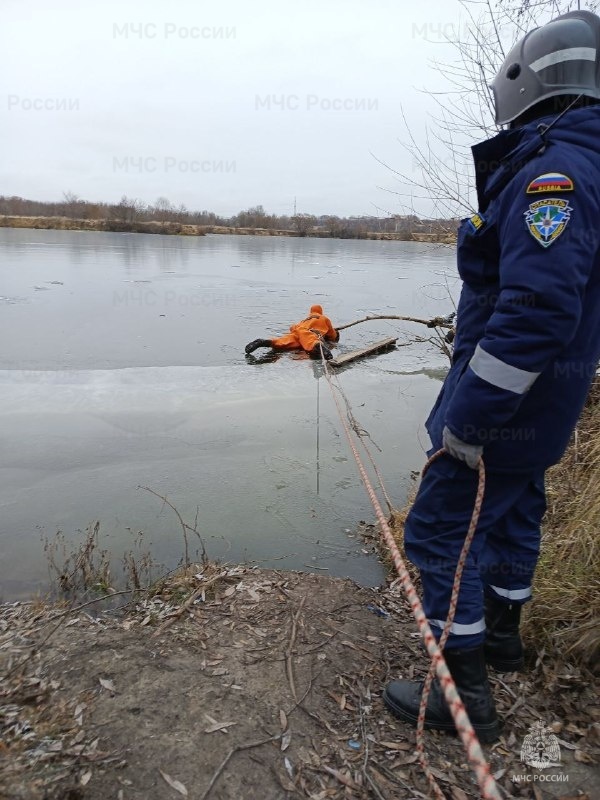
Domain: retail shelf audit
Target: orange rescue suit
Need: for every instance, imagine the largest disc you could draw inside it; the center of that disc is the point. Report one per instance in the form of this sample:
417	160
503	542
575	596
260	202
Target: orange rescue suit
304	335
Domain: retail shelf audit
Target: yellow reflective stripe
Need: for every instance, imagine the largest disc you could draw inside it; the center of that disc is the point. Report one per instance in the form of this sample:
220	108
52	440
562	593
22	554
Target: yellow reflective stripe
500	374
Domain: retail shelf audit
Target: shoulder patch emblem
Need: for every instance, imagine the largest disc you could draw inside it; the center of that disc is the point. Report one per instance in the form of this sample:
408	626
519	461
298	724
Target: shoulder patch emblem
477	222
551	182
547	219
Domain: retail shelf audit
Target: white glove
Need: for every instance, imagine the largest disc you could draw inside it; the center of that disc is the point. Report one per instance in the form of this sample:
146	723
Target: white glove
455	447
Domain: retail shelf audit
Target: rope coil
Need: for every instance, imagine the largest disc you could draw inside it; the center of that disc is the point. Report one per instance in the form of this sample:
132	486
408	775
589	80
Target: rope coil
487	785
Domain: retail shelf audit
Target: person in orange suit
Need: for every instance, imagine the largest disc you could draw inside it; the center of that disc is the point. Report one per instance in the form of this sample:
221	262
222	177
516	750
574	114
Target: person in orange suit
307	335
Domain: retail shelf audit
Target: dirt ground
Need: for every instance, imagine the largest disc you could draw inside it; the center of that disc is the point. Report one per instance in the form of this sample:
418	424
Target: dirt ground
251	684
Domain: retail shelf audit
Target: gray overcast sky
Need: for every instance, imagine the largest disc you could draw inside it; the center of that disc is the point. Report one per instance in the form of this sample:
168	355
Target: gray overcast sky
150	99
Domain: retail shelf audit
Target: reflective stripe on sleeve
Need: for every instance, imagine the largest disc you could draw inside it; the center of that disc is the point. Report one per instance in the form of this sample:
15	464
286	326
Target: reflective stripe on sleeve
512	594
461	630
560	56
500	374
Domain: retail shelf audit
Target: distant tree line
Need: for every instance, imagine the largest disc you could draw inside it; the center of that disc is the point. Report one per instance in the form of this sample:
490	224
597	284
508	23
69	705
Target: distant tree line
130	210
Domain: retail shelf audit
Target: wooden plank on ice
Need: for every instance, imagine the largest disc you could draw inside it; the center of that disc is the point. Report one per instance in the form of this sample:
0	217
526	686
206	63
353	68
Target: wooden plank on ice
346	358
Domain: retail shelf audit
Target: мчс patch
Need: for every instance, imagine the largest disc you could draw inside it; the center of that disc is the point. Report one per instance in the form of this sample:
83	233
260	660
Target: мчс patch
547	219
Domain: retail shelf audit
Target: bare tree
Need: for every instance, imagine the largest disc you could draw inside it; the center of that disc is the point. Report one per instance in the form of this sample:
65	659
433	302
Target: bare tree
162	209
182	214
333	225
302	223
128	210
73	205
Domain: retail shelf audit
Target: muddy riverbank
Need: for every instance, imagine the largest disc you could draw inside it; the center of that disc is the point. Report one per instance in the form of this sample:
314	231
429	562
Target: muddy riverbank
182	229
230	682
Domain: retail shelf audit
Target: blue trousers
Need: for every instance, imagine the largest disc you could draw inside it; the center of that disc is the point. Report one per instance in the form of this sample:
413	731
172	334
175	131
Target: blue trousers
503	554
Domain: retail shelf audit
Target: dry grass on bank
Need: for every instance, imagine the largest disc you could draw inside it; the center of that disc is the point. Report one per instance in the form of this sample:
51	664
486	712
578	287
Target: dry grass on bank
564	614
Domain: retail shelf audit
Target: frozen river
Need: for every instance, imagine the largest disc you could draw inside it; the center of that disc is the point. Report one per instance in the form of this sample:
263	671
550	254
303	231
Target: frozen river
122	365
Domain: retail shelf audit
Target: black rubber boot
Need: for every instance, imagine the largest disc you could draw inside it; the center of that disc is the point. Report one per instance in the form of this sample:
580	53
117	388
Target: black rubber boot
503	646
468	670
250	348
316	352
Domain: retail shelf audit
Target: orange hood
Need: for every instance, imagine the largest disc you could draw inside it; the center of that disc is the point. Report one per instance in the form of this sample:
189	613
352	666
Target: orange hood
316	309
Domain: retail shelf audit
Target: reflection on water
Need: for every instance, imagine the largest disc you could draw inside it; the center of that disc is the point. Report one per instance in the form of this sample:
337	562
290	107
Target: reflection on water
128	370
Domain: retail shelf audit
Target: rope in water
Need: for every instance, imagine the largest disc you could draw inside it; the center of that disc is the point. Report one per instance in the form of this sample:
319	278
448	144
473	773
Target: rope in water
487	784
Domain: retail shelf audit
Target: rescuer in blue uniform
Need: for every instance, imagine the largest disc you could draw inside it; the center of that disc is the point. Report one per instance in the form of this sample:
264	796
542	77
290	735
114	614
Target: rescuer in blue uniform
526	351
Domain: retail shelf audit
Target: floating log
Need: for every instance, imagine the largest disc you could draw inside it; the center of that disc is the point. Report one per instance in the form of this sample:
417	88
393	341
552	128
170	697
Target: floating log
346	358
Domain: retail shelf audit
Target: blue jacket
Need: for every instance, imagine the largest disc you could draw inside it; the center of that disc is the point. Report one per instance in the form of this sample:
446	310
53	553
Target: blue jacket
528	323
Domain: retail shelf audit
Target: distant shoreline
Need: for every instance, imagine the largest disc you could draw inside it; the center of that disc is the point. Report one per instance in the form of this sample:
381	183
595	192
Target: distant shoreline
182	229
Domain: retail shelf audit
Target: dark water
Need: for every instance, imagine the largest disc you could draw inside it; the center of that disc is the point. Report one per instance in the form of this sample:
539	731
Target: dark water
122	365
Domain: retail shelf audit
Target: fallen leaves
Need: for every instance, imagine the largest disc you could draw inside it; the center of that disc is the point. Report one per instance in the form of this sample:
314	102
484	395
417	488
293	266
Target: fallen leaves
285	740
397	745
575	797
177	785
341	700
583	757
411	759
339	776
78	713
286	734
215	726
85	778
283	720
288	767
339	743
